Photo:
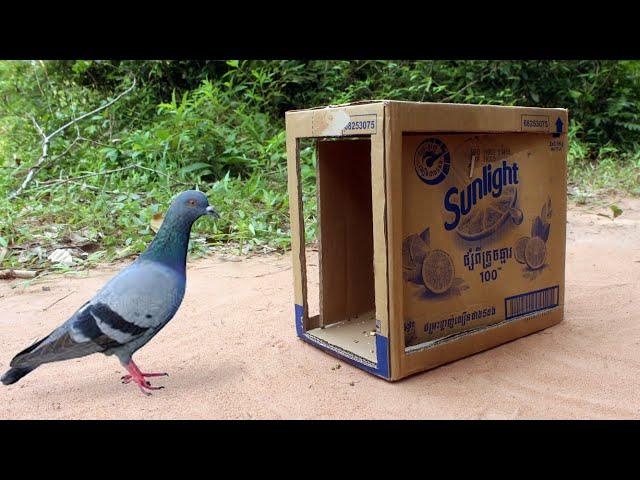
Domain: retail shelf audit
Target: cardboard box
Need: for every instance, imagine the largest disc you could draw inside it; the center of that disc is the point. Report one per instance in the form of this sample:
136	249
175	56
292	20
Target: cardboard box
441	229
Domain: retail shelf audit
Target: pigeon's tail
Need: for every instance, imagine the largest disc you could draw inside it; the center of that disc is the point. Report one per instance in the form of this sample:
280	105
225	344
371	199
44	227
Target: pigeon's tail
20	368
14	374
57	346
21	357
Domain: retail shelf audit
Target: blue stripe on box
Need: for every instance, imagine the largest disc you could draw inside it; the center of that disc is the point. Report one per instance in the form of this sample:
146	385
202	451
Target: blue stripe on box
382	352
381	368
299	314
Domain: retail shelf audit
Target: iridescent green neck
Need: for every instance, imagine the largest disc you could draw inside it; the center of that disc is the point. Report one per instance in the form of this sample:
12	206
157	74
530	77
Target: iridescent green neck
170	244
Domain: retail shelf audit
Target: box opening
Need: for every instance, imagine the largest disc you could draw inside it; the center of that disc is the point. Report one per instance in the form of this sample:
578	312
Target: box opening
346	295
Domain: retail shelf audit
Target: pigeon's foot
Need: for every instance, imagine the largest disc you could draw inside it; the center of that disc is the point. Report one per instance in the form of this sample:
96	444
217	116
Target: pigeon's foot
135	375
128	378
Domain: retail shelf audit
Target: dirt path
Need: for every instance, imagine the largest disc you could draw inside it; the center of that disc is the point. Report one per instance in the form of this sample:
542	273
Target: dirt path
232	351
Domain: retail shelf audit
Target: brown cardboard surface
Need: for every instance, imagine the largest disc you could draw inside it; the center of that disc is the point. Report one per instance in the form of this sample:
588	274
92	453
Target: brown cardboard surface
424	117
296	221
393	128
393	152
379	211
346	229
485	270
353	335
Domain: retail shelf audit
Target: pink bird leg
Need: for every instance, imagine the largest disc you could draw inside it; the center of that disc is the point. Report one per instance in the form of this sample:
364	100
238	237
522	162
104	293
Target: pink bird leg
138	377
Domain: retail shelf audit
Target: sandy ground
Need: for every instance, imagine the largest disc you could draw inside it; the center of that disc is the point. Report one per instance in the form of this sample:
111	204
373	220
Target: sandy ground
232	352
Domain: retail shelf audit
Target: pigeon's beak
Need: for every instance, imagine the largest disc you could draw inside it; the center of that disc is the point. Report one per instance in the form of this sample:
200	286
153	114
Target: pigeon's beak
211	211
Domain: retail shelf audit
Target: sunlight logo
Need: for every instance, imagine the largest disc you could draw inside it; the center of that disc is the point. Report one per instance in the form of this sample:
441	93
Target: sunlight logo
491	184
432	161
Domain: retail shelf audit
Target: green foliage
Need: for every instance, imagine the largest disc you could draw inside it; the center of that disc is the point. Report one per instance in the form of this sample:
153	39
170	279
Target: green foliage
219	126
602	96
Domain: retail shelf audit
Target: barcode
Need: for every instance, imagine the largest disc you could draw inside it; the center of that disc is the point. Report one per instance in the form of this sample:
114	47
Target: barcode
531	302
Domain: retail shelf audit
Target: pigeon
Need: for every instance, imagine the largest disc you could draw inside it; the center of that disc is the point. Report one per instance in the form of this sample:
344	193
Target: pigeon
131	308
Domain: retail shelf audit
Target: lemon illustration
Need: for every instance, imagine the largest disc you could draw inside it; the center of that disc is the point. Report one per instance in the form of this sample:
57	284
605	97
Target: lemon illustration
411	268
407	261
521	244
418	249
437	271
535	252
489	214
414	249
472	225
516	216
412	273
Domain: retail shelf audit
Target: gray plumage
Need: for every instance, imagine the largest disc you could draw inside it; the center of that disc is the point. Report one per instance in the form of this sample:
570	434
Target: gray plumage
133	306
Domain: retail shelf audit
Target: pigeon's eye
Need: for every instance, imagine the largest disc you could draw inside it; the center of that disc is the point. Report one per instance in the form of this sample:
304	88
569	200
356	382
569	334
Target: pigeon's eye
191	203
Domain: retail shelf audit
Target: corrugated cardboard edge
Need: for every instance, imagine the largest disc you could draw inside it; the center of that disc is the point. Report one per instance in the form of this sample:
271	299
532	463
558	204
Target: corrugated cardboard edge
339	105
380	368
466	345
393	150
300	125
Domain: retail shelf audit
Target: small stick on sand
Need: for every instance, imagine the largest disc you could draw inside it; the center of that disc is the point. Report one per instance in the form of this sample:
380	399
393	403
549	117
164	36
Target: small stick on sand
10	274
59	300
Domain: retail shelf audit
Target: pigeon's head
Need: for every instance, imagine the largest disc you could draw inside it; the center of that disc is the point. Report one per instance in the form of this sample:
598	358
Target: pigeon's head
191	205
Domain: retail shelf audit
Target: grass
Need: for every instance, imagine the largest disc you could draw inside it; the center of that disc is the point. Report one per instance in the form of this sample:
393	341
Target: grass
109	217
609	176
101	198
612	172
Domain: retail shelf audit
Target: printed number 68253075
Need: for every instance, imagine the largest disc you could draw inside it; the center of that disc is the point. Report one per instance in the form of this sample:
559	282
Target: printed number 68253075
361	125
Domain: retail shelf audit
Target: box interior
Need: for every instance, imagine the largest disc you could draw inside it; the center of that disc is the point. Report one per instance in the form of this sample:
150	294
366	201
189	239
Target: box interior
345	251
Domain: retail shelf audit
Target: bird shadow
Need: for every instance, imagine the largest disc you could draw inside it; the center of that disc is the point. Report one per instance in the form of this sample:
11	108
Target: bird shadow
109	387
188	379
196	378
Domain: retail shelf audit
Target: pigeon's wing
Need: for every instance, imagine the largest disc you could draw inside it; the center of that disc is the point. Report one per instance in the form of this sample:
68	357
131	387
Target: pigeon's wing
130	308
146	296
